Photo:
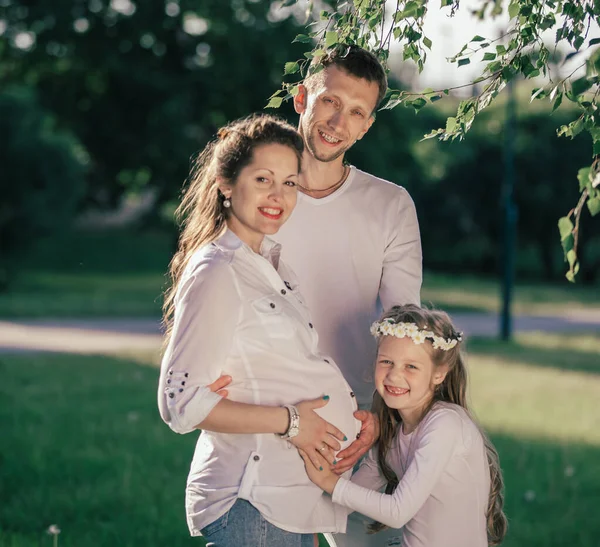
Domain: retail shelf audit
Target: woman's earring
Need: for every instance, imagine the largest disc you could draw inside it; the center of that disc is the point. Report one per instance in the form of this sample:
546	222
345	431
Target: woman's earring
227	203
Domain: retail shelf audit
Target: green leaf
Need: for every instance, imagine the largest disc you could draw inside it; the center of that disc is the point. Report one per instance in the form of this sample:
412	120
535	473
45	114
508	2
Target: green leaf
410	9
331	38
417	103
446	3
450	125
583	176
500	50
570	276
275	102
303	39
596	148
594	41
537	94
489	56
557	101
594	206
571	257
578	126
464	61
565	227
291	68
434	98
478	38
513	9
427	42
581	85
494	66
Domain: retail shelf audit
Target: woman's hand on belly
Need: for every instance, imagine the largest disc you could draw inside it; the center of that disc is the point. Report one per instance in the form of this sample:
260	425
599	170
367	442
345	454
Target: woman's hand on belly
317	437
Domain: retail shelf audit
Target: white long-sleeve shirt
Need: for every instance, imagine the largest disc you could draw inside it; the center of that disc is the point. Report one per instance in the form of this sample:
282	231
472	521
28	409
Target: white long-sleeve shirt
240	313
355	252
443	493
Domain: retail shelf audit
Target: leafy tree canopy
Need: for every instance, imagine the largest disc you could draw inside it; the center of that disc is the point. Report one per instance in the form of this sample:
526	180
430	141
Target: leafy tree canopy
520	52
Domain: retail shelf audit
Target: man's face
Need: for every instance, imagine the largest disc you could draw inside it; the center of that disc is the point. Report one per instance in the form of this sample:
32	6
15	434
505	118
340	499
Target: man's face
335	112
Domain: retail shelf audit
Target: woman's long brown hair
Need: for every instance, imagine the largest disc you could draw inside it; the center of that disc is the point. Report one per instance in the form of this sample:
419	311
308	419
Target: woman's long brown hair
201	213
452	390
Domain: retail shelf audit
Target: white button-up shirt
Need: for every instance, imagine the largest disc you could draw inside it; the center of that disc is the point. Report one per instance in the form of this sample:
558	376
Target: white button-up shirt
240	313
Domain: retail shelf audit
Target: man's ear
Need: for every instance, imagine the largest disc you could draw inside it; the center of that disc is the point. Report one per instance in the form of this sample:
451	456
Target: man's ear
300	99
367	127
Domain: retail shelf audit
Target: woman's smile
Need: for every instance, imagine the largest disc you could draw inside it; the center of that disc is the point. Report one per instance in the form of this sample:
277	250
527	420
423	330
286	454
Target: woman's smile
271	212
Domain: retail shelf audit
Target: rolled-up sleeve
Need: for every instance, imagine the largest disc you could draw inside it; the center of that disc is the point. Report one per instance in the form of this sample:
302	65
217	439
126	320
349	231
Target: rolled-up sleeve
402	273
207	311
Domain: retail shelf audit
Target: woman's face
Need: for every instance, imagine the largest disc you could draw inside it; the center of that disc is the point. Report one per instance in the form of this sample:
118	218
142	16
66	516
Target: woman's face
264	193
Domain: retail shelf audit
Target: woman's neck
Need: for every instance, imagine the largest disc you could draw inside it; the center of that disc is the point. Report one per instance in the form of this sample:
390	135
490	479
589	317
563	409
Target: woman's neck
252	239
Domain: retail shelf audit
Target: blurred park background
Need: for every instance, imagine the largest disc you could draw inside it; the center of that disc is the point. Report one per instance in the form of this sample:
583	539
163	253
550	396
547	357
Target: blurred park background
102	105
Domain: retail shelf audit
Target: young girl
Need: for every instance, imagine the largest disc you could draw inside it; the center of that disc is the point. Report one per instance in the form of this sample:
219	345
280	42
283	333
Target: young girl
442	478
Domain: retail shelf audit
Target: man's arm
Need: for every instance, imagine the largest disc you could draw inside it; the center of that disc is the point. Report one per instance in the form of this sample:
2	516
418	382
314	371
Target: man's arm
402	272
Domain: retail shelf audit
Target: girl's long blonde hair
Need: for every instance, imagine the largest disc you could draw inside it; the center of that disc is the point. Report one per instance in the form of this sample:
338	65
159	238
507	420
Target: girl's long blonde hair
201	213
452	390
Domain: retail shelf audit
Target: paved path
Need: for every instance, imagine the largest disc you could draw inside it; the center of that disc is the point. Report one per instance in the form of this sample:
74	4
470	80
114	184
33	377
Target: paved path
112	336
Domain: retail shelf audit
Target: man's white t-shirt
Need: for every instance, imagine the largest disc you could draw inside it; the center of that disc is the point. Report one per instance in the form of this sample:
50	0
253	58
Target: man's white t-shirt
355	252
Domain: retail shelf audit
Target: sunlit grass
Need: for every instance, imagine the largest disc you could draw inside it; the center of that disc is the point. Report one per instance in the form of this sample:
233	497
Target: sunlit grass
464	293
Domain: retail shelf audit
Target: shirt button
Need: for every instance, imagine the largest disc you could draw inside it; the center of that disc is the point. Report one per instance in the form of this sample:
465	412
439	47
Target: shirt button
256	458
169	381
310	325
180	389
186	374
171	395
272	305
352	394
283	291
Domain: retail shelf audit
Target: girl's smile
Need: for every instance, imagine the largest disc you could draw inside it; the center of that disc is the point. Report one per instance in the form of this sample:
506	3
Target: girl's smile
396	391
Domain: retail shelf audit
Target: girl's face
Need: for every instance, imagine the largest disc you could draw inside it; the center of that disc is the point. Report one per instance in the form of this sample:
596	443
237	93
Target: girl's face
406	377
264	193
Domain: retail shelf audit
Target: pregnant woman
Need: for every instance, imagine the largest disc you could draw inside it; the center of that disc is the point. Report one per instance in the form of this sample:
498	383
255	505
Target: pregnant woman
235	309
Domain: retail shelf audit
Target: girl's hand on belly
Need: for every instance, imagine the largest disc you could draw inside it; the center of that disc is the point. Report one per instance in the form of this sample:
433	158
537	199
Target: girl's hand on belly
369	433
317	437
322	476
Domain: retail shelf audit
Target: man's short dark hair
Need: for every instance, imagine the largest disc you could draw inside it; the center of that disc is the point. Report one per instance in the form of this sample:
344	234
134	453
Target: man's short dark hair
357	62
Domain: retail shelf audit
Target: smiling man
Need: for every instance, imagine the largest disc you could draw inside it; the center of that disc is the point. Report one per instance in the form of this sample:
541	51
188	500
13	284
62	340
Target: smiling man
353	238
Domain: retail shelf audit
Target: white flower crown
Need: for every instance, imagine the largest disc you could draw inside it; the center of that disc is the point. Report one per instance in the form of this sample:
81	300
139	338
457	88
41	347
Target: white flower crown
388	327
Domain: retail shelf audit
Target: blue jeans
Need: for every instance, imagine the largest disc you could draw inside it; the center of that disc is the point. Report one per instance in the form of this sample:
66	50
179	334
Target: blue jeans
244	526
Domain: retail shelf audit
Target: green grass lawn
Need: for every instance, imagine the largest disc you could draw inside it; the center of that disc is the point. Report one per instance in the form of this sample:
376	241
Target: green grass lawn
83	446
121	273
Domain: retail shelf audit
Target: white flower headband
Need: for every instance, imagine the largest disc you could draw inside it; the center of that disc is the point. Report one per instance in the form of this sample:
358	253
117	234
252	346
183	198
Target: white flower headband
388	327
